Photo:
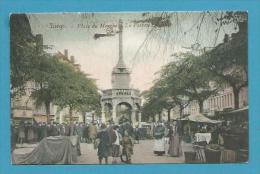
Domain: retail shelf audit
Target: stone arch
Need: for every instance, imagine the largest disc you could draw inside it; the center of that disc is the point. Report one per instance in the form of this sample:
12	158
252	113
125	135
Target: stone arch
123	111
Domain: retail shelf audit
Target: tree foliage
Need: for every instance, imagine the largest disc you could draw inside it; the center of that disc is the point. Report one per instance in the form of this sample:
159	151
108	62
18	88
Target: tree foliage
228	60
55	81
197	77
22	51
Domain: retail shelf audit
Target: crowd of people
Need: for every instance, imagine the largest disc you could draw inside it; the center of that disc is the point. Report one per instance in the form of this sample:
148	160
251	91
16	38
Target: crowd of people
28	132
116	141
110	140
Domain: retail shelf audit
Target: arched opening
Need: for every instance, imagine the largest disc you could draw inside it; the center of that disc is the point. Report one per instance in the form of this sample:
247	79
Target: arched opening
123	112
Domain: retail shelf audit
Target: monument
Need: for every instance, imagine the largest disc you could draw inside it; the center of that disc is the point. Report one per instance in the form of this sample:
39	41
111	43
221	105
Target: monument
121	102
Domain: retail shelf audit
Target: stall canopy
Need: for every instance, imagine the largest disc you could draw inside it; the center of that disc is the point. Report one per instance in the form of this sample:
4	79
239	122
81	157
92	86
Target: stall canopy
200	118
241	111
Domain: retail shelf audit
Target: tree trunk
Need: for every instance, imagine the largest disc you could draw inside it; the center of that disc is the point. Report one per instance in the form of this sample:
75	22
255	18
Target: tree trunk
236	97
169	114
201	105
93	117
70	112
47	107
84	118
181	110
160	117
153	118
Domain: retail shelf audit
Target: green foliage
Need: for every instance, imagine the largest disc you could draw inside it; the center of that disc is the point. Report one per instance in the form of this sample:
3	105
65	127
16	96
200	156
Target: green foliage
55	82
22	51
228	61
76	91
187	77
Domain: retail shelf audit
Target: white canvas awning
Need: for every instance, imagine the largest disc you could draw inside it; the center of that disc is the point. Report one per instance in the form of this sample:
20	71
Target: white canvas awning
200	118
244	109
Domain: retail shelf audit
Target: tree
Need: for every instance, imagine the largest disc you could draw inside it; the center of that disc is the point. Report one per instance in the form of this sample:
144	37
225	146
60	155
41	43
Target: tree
153	104
47	73
22	53
186	77
158	99
228	61
76	91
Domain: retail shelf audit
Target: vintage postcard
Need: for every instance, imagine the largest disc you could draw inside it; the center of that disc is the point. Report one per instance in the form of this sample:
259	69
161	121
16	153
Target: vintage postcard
129	87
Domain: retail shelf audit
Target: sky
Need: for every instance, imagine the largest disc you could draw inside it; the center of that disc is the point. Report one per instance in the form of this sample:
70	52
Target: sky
146	48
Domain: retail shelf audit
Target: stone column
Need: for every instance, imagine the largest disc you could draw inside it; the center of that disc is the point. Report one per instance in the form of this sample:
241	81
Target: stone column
103	117
139	117
133	117
60	118
114	113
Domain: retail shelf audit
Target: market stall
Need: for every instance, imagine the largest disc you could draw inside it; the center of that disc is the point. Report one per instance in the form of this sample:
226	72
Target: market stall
236	134
202	138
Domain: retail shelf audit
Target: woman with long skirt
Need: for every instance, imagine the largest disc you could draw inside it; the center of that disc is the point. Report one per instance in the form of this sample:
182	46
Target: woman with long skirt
159	143
175	149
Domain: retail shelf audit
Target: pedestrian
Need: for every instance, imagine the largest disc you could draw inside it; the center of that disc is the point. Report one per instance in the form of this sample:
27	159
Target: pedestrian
127	147
175	149
13	136
76	129
85	133
39	130
103	146
21	132
30	135
26	125
63	129
221	138
159	143
92	132
112	136
81	129
36	132
67	129
116	144
136	134
72	130
44	130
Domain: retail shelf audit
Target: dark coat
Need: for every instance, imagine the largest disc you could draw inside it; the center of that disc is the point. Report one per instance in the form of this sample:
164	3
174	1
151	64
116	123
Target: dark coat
103	146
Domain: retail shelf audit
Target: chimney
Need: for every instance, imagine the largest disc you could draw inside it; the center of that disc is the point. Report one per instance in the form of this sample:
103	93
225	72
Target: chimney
39	43
72	59
66	53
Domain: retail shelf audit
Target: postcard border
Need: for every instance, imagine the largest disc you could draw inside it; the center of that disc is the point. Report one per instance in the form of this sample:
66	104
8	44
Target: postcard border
7	7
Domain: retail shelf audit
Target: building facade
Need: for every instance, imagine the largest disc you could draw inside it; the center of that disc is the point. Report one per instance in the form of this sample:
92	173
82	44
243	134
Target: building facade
223	100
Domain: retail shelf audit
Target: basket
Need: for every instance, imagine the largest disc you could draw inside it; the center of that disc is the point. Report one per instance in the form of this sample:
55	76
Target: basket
212	156
190	157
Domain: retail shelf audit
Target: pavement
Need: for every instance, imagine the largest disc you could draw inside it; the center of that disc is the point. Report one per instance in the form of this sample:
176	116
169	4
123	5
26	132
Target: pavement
143	153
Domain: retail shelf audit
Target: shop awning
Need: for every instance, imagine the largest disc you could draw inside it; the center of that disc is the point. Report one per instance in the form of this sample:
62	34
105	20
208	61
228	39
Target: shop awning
200	118
244	109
